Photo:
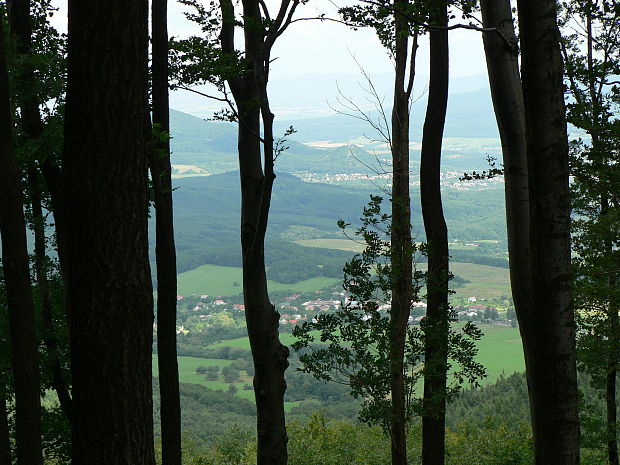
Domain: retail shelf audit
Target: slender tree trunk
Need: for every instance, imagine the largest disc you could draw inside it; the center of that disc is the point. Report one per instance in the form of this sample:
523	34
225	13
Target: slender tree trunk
25	359
5	439
612	428
550	326
256	177
49	338
21	31
507	94
401	253
107	135
269	355
164	244
436	321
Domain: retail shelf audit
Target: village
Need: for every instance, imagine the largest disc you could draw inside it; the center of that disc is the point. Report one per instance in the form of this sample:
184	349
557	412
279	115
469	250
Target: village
199	311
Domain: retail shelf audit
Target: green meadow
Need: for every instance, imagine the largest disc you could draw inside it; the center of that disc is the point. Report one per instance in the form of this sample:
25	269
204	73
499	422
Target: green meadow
487	282
499	351
226	280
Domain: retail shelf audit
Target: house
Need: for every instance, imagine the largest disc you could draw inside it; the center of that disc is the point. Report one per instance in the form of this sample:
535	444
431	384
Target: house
239	306
472	299
180	297
219	302
204	296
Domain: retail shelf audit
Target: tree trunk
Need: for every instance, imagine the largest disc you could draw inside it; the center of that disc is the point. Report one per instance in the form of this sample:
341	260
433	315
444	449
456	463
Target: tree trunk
165	252
21	30
19	294
436	321
612	428
32	125
549	327
507	94
401	253
5	439
269	355
105	189
49	338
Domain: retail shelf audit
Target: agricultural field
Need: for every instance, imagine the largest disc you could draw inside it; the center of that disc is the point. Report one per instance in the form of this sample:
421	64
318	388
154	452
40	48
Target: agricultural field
226	280
486	282
499	351
340	244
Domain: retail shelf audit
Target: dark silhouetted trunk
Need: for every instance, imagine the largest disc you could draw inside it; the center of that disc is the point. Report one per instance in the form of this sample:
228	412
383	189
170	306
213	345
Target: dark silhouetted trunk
436	320
549	327
49	338
165	253
5	440
612	428
401	253
107	136
268	354
24	357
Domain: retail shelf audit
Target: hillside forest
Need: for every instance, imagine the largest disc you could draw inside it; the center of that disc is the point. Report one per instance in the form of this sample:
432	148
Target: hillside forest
204	263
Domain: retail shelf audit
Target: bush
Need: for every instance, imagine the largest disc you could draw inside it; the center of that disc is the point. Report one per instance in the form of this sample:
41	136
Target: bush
231	374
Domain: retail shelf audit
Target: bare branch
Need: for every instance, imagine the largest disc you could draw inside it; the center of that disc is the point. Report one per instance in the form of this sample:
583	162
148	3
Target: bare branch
212	97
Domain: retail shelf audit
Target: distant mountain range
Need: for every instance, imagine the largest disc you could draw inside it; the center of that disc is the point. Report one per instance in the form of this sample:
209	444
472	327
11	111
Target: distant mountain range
311	95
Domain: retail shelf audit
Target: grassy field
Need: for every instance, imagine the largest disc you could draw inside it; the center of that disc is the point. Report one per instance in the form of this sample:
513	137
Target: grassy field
486	282
340	244
187	374
226	280
499	350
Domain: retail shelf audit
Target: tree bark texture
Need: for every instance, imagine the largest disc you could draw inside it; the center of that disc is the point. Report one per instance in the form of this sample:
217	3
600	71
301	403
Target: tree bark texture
5	440
401	253
24	356
549	327
269	355
165	252
436	320
107	134
501	53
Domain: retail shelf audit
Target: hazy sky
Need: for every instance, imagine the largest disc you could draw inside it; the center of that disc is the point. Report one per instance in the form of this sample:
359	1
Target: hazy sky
324	48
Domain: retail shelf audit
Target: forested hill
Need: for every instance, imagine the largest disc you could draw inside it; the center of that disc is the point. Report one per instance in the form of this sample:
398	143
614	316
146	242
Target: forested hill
212	145
470	114
207	218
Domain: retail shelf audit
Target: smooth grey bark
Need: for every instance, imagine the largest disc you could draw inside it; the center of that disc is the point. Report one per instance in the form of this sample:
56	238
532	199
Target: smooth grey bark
435	324
165	253
549	328
501	51
24	356
107	138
